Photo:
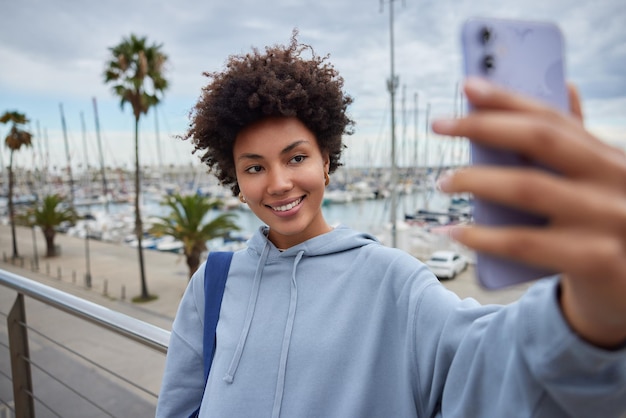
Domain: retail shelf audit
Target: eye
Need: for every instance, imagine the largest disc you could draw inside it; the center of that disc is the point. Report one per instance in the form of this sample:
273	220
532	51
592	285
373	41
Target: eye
298	159
253	169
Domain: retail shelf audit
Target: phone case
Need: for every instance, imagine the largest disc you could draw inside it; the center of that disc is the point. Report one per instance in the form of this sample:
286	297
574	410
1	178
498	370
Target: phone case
526	57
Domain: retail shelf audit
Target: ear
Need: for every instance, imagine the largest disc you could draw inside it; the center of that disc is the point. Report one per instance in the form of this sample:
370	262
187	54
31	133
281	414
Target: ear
326	159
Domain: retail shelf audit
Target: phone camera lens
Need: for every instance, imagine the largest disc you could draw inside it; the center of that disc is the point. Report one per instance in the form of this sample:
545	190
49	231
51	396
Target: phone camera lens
489	63
485	35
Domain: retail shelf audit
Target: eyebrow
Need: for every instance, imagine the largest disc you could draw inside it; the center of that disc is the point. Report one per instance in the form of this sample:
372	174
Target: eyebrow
284	151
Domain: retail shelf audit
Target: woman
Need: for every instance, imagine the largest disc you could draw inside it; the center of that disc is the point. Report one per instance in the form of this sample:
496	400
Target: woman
326	322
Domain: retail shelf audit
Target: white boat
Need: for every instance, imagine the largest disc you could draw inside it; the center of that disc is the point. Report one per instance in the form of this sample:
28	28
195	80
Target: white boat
337	196
170	244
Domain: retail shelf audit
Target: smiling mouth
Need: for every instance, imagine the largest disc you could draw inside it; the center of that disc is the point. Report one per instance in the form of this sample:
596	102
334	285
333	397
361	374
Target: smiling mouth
287	207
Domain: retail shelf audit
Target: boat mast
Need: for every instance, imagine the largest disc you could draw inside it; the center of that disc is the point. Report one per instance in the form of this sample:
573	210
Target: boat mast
86	163
67	155
426	151
415	130
2	162
43	173
417	174
158	140
47	159
105	192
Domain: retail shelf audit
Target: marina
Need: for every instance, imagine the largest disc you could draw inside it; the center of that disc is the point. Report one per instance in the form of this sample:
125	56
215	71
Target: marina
358	198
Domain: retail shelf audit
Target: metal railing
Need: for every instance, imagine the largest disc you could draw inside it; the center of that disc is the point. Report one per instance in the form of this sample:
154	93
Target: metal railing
92	378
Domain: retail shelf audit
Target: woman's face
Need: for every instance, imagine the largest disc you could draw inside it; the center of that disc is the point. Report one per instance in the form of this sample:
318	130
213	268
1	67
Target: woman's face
280	171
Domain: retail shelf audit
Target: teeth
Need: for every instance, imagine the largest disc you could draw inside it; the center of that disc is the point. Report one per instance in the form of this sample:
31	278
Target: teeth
287	207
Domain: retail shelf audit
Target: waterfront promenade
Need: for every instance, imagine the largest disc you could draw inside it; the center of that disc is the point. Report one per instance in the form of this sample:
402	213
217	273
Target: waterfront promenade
114	272
115	281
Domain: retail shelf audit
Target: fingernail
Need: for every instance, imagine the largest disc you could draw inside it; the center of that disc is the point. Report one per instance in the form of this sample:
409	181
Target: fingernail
477	86
444	126
456	232
444	183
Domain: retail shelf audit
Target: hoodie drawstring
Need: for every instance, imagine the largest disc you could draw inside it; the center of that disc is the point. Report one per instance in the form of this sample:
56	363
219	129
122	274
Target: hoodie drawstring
280	384
282	368
232	369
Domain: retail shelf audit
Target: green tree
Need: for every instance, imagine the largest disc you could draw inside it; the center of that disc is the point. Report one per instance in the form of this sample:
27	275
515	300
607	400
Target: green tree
186	223
16	139
135	70
49	214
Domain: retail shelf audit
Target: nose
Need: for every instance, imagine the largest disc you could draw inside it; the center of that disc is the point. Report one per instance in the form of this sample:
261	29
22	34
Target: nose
279	181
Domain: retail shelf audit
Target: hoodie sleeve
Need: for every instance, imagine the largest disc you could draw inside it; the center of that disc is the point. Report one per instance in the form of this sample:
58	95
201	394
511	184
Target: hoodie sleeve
518	360
183	379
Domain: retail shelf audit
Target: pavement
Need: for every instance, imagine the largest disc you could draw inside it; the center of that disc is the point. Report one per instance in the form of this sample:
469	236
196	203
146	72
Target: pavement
114	270
115	279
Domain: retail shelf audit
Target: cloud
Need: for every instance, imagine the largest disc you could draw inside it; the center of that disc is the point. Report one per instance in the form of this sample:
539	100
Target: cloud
55	51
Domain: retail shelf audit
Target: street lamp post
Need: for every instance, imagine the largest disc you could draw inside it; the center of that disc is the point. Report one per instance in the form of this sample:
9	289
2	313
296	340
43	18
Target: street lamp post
392	86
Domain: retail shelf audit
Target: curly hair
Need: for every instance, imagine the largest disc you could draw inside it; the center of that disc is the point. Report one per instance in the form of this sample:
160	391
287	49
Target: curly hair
255	86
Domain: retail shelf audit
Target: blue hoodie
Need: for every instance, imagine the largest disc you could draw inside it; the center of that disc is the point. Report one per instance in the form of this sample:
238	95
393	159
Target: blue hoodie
342	326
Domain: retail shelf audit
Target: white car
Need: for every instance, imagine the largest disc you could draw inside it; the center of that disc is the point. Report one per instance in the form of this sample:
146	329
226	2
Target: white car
446	264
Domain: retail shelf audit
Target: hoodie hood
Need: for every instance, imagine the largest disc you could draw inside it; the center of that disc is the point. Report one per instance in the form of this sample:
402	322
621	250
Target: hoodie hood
341	238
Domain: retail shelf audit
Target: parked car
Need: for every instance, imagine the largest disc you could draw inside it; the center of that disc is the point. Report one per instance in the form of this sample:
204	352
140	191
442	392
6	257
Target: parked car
446	264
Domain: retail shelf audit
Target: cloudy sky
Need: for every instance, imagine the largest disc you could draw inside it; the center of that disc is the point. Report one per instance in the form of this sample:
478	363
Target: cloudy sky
53	52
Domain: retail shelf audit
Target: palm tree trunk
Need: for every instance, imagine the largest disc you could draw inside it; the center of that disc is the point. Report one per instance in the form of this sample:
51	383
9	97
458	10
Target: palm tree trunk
48	234
11	207
138	224
193	262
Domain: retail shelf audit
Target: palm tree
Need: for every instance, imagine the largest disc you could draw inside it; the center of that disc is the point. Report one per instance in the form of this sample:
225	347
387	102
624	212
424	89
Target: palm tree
49	214
135	70
186	223
16	138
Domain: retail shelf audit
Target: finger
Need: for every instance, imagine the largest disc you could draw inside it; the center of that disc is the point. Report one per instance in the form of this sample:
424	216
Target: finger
579	253
563	201
537	131
562	146
574	102
485	95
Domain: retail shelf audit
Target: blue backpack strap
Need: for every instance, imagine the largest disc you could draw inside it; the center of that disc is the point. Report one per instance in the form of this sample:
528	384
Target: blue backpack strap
215	275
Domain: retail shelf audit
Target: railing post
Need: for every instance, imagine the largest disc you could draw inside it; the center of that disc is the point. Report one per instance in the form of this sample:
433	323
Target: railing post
20	366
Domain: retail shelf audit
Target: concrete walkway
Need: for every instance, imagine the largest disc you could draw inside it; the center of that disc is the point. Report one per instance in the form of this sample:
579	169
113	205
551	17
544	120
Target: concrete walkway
114	271
115	281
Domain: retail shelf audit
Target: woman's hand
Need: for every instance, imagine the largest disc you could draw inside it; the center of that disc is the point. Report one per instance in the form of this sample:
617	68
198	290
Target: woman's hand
586	203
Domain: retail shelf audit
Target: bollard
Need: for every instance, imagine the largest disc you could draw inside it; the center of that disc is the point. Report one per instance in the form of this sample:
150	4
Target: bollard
47	269
59	272
4	256
104	288
123	292
22	262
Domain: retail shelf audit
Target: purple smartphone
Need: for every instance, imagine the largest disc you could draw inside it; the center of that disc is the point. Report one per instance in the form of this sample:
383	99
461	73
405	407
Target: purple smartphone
527	57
